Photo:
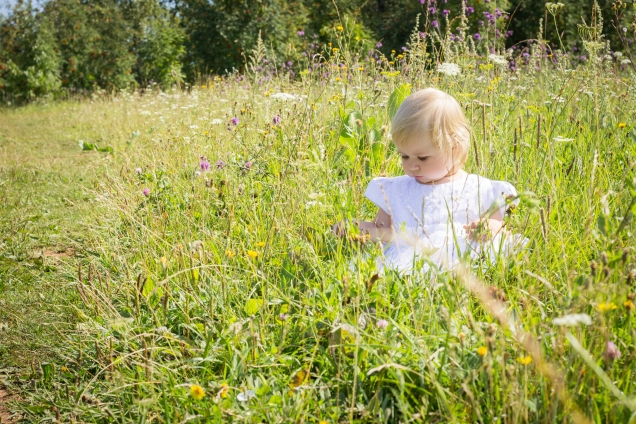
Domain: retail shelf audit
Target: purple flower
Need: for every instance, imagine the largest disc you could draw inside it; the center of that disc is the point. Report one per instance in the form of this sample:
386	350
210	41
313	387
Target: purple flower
431	9
470	10
403	48
508	33
220	164
276	120
146	192
248	165
289	64
422	35
235	121
445	12
435	24
612	352
301	33
382	324
480	22
282	317
205	165
477	36
378	44
422	1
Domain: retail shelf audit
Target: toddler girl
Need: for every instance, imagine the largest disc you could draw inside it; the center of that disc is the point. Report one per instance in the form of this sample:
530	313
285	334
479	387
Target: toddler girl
436	210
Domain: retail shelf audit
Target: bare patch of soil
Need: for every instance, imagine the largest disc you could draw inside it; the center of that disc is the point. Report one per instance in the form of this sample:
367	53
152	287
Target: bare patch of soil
59	254
5	416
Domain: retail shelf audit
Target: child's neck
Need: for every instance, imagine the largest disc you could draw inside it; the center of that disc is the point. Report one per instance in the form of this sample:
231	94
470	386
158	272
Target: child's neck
456	175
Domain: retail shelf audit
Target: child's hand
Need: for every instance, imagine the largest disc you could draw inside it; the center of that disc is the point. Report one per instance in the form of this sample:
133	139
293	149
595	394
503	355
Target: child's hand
483	229
339	228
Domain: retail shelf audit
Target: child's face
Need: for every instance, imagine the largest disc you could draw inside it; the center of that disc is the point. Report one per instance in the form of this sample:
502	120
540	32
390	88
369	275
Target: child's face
424	161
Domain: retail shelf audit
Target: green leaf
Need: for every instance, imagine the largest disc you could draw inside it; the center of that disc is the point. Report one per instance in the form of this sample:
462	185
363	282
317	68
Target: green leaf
148	287
253	306
396	99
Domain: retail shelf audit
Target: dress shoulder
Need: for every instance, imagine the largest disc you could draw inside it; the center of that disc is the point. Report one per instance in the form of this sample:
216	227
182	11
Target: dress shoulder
380	190
499	194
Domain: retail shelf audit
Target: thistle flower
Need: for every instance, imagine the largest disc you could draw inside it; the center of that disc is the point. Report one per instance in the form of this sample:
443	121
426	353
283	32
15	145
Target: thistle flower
612	352
146	192
248	165
205	165
445	12
276	120
220	164
300	33
477	36
235	121
378	44
435	24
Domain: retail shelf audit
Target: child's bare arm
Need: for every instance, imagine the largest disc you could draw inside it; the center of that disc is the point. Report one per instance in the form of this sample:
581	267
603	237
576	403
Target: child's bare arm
485	228
381	229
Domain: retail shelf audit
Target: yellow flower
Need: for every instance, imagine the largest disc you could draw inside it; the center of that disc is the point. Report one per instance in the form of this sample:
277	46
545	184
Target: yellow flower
622	125
337	78
64	369
604	307
229	254
205	133
224	389
629	304
339	28
260	244
197	392
524	360
391	63
322	422
482	351
361	69
335	49
252	254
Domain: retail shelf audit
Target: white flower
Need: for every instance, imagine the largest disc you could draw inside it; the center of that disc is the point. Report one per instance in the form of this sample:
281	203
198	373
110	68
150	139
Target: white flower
283	96
562	139
216	122
138	171
245	396
625	61
572	320
449	69
194	127
618	54
499	60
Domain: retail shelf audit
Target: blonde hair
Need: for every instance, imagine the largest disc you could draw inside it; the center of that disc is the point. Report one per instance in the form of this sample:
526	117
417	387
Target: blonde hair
435	114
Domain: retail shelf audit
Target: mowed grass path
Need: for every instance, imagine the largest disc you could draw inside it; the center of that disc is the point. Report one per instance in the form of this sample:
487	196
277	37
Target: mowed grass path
45	191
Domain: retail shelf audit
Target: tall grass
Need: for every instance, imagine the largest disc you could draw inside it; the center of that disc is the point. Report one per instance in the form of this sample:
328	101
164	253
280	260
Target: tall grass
228	279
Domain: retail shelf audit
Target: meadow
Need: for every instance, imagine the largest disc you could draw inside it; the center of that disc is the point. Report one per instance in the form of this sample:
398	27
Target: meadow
182	266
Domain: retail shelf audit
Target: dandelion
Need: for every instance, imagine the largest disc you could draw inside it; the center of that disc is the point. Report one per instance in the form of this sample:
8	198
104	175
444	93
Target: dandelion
382	324
629	305
276	120
252	254
197	392
604	306
260	244
482	351
449	69
340	28
524	360
224	390
335	50
229	253
205	165
220	164
146	192
611	351
622	125
235	121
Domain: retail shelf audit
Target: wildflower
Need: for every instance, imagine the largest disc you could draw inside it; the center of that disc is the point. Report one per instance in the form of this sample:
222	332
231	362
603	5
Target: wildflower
449	69
64	369
300	33
572	320
216	122
604	306
197	392
524	360
445	12
482	351
339	28
477	36
335	49
246	395
138	171
235	121
224	389
611	351
470	10
276	120
146	192
283	96
435	24
622	125
432	9
378	44
252	254
205	165
283	317
382	324
248	165
260	244
499	60
229	253
629	305
220	164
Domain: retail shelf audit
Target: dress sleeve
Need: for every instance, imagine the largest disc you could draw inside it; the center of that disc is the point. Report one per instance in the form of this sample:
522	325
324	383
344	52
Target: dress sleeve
378	192
501	190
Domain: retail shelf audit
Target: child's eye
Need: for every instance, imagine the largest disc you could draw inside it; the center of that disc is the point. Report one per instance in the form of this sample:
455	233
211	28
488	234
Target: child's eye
405	157
422	157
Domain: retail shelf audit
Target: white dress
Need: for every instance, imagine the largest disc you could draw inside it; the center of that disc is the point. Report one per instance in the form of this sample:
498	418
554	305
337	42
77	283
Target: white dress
429	219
